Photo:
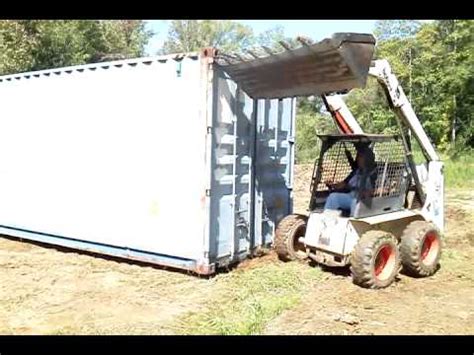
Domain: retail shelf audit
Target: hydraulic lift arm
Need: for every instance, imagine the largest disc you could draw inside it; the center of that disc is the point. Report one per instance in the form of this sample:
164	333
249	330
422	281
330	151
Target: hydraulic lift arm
344	119
401	105
398	101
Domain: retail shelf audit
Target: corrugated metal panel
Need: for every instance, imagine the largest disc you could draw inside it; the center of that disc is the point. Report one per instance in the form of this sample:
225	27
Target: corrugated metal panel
94	66
231	179
336	64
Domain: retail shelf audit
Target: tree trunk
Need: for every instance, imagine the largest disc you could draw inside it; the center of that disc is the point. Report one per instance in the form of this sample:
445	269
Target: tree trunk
453	128
410	67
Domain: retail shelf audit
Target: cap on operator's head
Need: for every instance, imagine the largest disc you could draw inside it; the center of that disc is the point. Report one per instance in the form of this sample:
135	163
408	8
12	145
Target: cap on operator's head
362	147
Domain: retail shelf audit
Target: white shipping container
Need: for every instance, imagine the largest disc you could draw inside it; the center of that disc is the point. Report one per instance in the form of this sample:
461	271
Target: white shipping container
154	159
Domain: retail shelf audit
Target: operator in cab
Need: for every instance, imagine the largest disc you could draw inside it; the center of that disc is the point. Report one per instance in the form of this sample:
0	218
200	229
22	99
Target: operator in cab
358	184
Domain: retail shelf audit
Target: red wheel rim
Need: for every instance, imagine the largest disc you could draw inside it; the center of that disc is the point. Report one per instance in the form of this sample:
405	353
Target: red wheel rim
384	262
430	248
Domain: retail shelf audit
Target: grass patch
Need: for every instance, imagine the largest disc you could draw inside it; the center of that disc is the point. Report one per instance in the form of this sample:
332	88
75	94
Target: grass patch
452	256
246	300
457	263
459	171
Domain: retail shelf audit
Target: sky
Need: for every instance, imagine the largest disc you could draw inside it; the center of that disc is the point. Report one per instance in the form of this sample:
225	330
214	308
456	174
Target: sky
314	29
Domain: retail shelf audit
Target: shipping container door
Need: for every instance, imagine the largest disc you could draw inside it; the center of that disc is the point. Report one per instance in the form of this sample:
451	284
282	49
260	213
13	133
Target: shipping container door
230	188
274	165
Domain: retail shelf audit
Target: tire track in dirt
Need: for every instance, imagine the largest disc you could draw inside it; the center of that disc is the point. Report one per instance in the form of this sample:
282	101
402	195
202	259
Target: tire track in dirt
438	305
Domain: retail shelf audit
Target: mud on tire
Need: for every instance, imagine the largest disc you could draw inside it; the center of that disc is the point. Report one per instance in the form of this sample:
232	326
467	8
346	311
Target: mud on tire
287	233
375	261
420	249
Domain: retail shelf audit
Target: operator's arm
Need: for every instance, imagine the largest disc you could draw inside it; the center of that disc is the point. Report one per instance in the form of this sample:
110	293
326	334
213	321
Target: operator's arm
342	186
339	186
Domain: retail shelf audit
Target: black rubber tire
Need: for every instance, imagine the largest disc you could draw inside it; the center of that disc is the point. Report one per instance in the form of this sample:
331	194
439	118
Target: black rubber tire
411	248
366	253
288	230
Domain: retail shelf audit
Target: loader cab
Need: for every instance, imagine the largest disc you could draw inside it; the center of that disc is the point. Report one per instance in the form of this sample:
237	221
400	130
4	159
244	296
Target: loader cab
388	177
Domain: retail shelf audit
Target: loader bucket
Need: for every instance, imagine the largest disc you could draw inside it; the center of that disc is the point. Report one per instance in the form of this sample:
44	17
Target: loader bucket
335	64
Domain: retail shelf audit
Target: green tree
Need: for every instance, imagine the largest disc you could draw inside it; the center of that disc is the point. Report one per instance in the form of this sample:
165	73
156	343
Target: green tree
311	120
435	67
369	105
57	43
15	47
270	37
61	43
40	44
193	35
444	80
228	36
395	29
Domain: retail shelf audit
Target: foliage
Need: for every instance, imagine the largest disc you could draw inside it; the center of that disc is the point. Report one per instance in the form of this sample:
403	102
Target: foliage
395	29
193	35
229	36
15	47
40	44
434	63
311	120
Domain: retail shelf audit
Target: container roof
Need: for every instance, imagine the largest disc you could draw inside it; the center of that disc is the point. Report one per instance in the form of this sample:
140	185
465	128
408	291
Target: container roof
335	64
102	65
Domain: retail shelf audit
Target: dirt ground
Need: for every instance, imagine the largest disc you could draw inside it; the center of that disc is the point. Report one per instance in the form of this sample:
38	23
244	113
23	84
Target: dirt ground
44	290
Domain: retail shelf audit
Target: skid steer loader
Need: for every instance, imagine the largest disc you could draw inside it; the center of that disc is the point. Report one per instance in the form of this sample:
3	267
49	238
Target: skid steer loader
397	215
396	219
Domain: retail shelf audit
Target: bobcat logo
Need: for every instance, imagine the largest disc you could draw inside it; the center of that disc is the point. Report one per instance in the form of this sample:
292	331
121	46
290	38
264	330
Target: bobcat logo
323	239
